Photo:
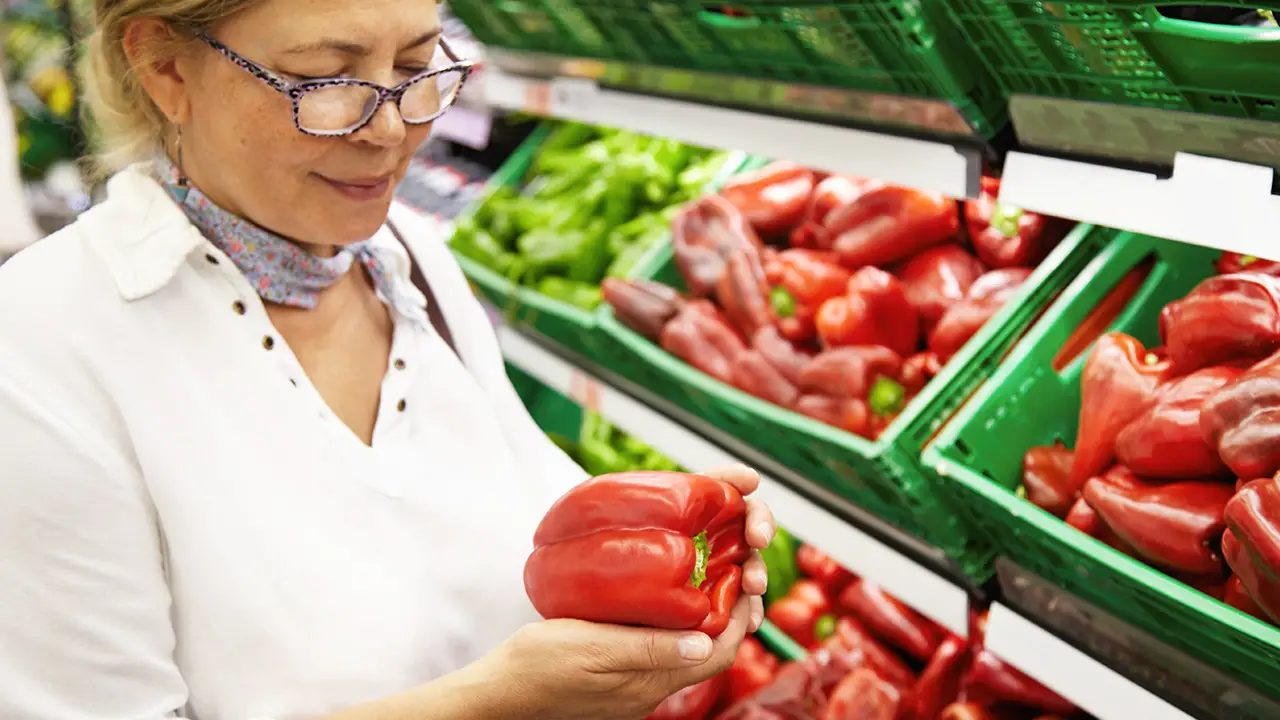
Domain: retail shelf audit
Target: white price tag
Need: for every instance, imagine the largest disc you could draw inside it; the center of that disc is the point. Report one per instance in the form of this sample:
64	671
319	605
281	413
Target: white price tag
573	96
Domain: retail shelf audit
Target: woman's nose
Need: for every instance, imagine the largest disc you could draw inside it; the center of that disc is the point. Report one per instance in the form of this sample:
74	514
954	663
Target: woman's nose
385	128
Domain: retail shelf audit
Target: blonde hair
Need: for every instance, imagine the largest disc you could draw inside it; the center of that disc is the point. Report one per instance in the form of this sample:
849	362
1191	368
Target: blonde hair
127	125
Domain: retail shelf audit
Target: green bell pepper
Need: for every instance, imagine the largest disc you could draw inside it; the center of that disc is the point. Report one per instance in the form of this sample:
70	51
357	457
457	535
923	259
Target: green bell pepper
780	562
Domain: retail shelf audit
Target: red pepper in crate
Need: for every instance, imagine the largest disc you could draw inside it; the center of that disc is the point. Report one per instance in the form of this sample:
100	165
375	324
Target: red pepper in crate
774	199
889	619
753	668
642	305
804	614
1224	319
700	336
889	223
991	680
863	695
781	354
660	549
1242	421
696	702
803	280
830	193
1236	595
753	374
1233	262
1253	545
873	311
918	370
704	234
849	371
794	694
985	297
743	293
1175	526
939	684
1045	473
849	414
855	648
976	711
1119	383
1006	236
1165	441
1261	586
823	569
937	279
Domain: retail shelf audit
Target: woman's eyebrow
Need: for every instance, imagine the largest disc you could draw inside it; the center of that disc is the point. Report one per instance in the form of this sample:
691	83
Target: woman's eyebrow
349	48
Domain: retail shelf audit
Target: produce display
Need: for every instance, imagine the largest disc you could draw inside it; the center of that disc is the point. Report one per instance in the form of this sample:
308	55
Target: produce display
593	203
602	449
40	86
836	297
1177	458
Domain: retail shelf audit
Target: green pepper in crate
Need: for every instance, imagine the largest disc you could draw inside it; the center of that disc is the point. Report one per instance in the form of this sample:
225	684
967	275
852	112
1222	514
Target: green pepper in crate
478	245
576	293
599	456
780	561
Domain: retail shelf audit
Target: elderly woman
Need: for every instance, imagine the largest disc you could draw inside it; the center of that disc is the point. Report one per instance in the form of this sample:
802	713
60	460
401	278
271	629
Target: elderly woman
249	468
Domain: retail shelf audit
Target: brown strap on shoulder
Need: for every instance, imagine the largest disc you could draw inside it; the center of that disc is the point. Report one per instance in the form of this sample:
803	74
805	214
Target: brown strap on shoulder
434	314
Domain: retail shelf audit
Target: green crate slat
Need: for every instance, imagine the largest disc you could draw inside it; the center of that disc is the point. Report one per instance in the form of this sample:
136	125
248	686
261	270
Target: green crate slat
1028	403
1124	52
566	324
905	47
884	477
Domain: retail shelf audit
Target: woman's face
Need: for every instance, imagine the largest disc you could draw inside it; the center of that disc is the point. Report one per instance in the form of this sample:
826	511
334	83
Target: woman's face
239	142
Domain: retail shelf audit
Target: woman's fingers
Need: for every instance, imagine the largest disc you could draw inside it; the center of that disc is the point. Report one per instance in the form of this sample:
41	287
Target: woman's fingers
739	476
760	524
757	612
755	576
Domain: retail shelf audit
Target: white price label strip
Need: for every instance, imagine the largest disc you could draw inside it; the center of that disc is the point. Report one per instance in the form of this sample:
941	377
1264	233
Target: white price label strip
910	582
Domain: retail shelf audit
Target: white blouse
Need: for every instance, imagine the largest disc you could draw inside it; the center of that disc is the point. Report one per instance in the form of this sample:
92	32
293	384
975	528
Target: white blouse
186	528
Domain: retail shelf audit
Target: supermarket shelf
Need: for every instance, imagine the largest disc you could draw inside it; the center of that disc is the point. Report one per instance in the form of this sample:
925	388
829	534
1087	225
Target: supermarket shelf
1076	676
1206	201
953	170
914	572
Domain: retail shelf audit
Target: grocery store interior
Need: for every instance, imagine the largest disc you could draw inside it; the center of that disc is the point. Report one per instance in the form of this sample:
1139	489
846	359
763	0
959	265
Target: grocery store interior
982	289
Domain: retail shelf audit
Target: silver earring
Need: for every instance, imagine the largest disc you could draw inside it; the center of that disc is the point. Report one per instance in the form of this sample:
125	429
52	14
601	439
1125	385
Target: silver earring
182	176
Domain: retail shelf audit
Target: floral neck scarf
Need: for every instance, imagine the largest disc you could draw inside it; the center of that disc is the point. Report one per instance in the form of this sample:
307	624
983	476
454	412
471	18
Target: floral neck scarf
279	270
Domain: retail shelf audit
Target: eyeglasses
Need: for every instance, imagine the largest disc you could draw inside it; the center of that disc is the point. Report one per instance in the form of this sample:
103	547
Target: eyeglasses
333	107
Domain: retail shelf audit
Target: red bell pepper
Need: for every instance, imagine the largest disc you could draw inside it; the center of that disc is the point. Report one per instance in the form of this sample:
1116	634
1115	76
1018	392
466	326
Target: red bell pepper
862	695
704	234
890	619
743	293
939	684
1260	585
1085	519
985	297
1241	422
918	370
1233	262
642	305
857	648
804	614
849	371
937	279
849	414
1119	383
1253	551
991	680
823	569
830	193
1236	595
660	549
700	336
781	354
755	375
977	711
873	311
889	223
753	668
1165	441
1224	319
794	694
696	702
802	281
774	199
1045	473
1006	236
1175	526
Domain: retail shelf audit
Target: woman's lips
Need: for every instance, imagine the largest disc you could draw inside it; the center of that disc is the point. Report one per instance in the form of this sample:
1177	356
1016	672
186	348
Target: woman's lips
362	189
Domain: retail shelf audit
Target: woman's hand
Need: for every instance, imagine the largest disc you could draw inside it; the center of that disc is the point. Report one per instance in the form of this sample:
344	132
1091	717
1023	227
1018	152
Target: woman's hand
760	530
569	669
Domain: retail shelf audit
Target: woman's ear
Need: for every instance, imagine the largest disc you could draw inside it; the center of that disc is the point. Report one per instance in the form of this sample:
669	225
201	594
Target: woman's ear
154	51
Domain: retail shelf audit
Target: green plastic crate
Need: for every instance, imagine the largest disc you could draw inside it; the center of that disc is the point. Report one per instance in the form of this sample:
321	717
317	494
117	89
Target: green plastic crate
978	457
904	47
566	324
1125	52
884	477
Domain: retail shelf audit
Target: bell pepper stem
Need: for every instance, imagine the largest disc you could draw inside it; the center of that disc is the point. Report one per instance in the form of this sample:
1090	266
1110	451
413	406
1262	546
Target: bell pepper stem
824	627
1005	218
783	302
887	396
700	563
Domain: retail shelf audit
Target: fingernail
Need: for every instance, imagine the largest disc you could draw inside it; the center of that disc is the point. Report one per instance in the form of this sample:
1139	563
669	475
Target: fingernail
762	577
757	619
694	647
766	531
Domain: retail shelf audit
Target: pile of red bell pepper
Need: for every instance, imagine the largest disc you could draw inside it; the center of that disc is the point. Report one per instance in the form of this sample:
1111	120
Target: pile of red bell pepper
833	296
1177	455
870	658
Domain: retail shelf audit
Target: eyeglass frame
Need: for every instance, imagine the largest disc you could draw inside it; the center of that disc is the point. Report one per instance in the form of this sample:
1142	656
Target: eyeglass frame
296	90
